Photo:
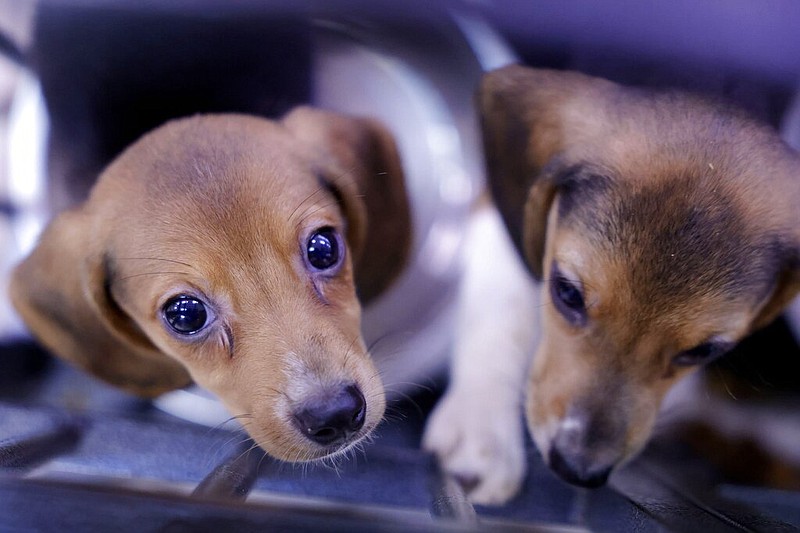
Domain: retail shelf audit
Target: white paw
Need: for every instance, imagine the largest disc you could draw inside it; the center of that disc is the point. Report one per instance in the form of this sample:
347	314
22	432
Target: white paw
478	439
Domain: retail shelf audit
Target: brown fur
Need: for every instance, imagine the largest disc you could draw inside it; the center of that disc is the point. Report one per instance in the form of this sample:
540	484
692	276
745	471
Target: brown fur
221	205
678	218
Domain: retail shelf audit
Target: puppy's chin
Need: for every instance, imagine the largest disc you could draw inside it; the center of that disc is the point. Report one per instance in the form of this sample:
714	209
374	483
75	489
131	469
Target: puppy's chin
574	449
296	449
579	466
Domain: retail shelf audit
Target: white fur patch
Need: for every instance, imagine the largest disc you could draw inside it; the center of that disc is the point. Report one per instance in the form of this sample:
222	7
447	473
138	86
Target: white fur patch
477	430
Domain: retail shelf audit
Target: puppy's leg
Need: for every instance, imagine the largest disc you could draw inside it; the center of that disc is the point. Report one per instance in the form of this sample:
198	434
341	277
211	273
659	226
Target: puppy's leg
477	430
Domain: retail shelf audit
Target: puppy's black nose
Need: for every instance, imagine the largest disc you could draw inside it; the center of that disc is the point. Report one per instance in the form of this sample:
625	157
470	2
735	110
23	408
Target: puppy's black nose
576	472
331	419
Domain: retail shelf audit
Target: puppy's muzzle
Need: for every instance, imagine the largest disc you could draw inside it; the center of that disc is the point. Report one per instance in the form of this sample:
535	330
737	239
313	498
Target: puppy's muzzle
586	448
331	418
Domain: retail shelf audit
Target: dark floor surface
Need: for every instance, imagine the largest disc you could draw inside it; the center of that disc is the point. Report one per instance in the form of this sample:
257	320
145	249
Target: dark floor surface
78	454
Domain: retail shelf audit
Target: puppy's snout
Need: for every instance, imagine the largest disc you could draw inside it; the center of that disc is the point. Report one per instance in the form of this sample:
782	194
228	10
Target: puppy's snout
331	419
585	449
576	471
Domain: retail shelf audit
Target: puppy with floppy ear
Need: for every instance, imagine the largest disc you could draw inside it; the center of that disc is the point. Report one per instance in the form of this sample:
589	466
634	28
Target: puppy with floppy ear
661	229
232	251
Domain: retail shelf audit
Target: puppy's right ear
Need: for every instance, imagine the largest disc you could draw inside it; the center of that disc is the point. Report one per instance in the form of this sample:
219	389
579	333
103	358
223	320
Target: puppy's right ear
63	293
527	115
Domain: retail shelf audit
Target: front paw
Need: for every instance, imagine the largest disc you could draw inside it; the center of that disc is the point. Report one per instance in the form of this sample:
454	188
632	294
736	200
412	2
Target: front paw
478	439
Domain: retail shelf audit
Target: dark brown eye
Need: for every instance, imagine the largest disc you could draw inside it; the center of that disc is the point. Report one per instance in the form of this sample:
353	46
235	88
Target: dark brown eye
567	297
568	294
322	249
701	354
185	315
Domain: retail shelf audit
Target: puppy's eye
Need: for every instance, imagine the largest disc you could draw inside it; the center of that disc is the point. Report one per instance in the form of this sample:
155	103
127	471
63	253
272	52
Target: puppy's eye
185	314
567	298
322	249
701	354
568	294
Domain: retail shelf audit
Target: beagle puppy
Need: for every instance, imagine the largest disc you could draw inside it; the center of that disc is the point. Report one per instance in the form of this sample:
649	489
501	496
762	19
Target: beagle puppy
658	229
234	252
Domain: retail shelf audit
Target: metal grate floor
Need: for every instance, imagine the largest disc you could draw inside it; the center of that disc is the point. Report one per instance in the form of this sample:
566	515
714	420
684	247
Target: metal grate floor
77	454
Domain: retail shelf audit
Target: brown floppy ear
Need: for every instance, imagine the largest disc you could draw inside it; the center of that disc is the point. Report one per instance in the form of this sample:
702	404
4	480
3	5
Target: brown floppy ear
63	293
525	116
786	289
366	176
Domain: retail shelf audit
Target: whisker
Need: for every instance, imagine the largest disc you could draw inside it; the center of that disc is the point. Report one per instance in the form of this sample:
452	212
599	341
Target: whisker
221	425
159	273
311	213
217	450
249	449
394	414
238	438
264	457
349	352
397	335
175	261
412	385
721	375
307	198
322	188
412	402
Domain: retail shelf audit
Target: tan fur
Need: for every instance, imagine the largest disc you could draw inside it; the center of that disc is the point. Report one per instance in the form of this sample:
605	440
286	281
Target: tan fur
221	205
678	218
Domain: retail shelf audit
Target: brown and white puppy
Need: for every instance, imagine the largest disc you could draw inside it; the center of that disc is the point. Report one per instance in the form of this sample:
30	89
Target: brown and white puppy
661	229
232	251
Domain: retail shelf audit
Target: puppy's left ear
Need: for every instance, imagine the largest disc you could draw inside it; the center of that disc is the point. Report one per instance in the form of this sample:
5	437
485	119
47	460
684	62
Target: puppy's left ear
364	172
786	289
527	117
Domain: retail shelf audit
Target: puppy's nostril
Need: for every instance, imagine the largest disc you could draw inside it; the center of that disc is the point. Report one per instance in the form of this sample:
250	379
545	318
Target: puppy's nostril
329	420
323	435
360	408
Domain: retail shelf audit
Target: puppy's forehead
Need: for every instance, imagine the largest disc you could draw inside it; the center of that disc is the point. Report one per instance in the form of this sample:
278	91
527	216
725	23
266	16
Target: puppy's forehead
681	192
676	241
225	168
219	154
224	186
